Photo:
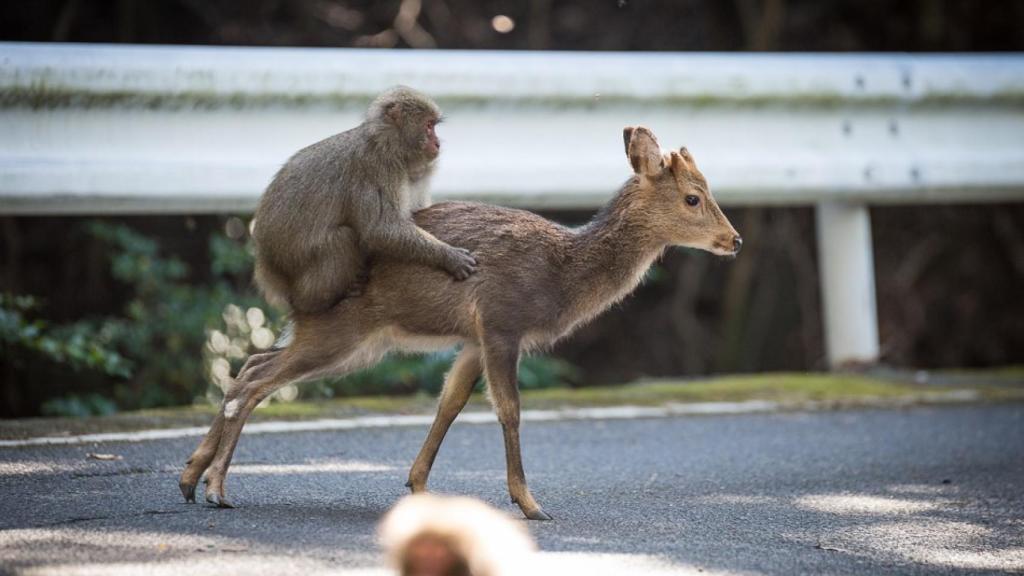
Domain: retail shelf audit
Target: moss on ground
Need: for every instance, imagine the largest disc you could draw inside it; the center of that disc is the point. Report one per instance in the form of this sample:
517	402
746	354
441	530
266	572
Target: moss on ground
789	389
782	387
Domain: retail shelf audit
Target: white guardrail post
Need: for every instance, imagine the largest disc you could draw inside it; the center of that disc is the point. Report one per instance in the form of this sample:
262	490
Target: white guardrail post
117	129
847	269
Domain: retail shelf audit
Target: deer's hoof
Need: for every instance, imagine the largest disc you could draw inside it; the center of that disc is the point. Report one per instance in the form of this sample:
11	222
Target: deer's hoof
219	500
537	514
188	491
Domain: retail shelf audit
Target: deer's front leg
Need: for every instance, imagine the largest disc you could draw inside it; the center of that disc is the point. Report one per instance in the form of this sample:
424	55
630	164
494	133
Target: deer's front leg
501	361
458	386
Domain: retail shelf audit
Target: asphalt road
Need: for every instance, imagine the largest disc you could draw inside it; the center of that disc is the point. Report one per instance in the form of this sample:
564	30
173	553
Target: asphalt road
924	490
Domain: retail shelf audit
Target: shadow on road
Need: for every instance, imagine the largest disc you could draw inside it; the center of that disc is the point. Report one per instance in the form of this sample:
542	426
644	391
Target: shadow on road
922	491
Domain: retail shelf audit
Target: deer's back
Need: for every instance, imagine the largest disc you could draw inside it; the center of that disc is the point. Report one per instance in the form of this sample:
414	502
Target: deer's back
496	233
518	286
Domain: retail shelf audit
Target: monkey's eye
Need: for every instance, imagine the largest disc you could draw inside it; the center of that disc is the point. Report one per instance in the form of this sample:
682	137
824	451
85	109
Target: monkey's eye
692	200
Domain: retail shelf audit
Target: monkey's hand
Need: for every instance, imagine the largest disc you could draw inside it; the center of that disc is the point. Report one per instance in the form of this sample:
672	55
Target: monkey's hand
461	264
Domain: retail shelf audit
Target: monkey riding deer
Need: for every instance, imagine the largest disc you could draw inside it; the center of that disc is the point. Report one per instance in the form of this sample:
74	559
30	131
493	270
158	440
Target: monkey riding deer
348	198
536	282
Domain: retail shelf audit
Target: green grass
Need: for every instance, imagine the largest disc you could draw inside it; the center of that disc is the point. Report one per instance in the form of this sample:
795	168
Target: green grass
789	389
780	387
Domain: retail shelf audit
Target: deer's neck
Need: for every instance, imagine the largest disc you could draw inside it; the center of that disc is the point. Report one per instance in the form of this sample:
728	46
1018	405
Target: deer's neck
609	257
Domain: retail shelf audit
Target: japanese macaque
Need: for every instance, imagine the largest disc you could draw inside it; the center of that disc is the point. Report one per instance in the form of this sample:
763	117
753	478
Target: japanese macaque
428	535
349	199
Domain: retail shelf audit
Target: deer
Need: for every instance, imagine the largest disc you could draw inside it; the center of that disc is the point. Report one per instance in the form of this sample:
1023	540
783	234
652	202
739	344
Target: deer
536	282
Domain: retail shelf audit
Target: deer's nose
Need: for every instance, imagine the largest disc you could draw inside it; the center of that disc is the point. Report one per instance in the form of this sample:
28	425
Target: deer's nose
737	243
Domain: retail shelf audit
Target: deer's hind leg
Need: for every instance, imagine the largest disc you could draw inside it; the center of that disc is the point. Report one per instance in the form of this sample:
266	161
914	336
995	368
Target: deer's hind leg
199	461
342	353
258	362
501	364
458	386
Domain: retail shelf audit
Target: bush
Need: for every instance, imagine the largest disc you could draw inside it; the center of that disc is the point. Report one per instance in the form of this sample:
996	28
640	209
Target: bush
178	342
34	350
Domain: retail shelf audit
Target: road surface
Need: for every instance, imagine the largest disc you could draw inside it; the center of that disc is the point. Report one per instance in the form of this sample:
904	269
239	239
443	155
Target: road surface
912	491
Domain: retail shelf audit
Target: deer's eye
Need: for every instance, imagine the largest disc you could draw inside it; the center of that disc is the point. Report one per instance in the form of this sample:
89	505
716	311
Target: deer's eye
692	200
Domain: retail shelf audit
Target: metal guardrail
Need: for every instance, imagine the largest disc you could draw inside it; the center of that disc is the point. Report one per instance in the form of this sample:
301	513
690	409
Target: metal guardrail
95	129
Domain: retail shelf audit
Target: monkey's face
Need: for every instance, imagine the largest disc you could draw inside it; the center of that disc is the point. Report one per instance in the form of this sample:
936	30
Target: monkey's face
419	132
415	117
431	143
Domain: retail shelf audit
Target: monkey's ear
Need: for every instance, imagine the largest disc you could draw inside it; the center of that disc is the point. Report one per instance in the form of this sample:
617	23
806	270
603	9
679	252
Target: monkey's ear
393	112
643	151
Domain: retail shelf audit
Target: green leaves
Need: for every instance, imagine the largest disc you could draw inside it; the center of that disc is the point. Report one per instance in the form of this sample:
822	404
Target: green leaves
75	346
177	340
165	322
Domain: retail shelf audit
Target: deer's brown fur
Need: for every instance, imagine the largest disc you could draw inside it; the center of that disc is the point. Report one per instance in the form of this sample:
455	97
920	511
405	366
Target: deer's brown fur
537	281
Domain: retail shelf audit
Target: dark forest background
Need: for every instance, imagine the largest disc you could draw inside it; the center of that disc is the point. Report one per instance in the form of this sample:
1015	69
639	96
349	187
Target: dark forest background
950	278
787	25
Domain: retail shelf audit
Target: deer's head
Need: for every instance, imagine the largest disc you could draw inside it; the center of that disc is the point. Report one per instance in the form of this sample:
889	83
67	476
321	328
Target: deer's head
677	203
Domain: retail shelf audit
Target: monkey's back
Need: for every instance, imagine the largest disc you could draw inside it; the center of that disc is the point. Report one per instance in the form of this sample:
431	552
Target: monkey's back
307	193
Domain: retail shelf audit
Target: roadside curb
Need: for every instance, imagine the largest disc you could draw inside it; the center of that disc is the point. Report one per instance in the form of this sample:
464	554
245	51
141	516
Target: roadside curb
625	412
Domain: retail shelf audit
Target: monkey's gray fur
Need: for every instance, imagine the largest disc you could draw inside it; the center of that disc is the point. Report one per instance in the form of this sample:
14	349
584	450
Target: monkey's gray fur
346	200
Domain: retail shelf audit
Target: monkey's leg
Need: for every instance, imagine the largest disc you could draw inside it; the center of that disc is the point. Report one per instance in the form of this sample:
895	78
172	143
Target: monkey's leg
501	360
457	388
336	266
406	242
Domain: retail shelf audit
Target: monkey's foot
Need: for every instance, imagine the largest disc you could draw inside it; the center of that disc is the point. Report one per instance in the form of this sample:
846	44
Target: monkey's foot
357	287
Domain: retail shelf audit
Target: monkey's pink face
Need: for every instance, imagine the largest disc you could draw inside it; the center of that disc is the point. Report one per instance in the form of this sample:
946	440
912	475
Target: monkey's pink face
432	145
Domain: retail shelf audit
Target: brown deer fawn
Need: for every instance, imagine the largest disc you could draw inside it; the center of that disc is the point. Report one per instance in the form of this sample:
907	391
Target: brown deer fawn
536	282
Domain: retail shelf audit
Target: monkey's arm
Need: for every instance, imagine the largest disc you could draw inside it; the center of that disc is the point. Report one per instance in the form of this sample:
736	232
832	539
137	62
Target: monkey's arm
383	232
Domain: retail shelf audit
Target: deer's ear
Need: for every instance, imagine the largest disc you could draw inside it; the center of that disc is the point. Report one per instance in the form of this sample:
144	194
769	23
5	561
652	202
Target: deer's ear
643	151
